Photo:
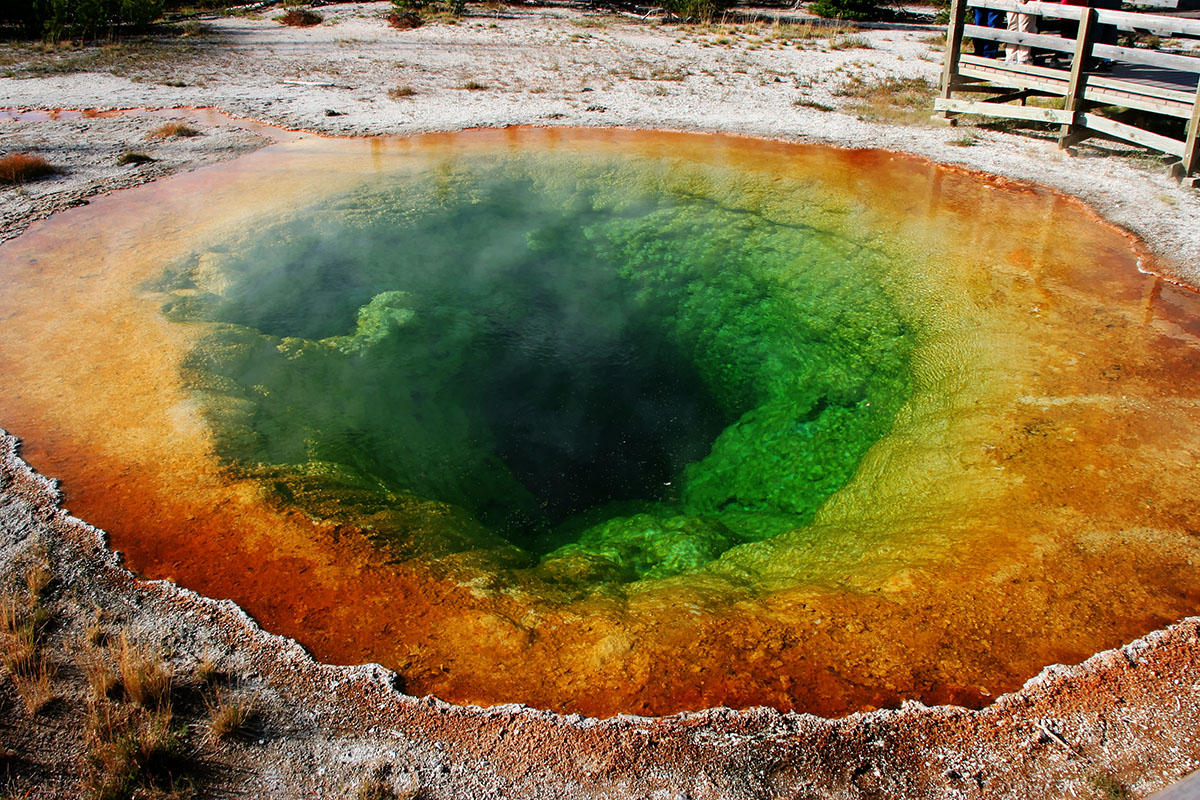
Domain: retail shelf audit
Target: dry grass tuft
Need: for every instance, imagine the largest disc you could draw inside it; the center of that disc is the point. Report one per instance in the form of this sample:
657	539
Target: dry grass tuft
207	671
474	86
21	167
101	676
1107	787
133	752
230	715
849	43
789	32
35	683
20	650
145	677
402	92
173	130
11	613
37	578
95	634
903	101
300	18
382	784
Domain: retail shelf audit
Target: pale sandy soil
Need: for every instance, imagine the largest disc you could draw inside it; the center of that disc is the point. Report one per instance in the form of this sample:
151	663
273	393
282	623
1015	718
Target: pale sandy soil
565	67
1129	715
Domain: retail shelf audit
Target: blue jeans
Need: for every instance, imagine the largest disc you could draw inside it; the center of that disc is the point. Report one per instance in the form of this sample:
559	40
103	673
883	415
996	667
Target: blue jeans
991	19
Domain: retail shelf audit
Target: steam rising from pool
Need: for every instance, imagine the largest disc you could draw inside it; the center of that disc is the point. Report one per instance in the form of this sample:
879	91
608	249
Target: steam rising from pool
635	364
611	421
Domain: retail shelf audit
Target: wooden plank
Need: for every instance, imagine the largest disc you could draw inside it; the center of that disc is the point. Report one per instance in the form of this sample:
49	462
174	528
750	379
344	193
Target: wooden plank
1124	20
1129	133
1041	40
1047	86
1147	89
999	66
1155	23
1131	97
1186	789
1003	110
1168	5
1171	4
954	35
1153	58
1054	10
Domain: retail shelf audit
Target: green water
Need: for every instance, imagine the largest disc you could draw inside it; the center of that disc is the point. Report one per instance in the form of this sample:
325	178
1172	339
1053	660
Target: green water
605	370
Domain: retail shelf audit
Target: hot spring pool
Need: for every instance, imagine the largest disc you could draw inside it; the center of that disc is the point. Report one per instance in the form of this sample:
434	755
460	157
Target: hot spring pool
614	421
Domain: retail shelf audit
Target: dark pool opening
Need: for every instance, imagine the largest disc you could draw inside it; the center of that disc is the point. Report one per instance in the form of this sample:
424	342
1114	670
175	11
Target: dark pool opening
491	337
545	355
585	415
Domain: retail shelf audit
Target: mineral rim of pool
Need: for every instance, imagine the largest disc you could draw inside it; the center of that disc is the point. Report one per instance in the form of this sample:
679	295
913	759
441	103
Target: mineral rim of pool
614	421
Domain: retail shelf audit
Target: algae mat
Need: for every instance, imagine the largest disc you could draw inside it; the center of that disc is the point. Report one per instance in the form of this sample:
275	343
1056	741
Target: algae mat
613	421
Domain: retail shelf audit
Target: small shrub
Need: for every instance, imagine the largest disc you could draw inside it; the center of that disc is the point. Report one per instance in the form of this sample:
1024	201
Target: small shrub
173	130
22	167
474	86
698	10
145	677
133	158
402	92
966	140
856	10
407	11
405	20
804	102
300	18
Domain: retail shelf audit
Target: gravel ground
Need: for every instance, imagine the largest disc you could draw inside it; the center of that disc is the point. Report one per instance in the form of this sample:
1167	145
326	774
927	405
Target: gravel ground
1124	721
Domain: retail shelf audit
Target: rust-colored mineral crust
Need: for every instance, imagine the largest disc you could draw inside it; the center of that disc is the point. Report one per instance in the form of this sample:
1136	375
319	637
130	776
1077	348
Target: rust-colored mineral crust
1130	714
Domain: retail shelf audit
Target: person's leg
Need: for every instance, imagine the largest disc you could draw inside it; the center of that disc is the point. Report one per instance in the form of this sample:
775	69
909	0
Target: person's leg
986	48
1021	23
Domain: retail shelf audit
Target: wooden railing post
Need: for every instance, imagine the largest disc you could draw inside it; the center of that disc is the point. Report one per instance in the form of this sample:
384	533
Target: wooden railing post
1084	40
954	36
1191	147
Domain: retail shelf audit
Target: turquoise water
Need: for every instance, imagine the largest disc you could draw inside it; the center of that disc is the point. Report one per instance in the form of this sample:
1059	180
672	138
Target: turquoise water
605	369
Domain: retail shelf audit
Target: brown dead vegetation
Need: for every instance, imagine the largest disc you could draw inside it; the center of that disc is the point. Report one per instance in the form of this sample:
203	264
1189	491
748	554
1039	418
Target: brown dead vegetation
16	168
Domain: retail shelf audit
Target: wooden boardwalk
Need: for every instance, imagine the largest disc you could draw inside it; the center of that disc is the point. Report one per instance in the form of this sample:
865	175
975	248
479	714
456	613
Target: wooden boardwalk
1091	76
1186	789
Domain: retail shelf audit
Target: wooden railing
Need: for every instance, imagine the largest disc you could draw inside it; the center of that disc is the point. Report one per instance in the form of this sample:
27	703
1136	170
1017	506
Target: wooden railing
1096	75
